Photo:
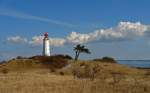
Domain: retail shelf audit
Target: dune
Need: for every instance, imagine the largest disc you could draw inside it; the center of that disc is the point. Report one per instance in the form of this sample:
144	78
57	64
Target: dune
33	75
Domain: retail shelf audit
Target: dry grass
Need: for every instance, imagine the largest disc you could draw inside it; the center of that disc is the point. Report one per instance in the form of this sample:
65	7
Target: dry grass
110	78
35	82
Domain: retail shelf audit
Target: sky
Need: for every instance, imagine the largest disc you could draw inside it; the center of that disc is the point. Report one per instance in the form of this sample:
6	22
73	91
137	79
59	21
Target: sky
115	28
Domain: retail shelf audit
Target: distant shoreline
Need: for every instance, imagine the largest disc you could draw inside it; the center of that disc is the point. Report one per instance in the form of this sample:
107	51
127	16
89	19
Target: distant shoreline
143	68
135	60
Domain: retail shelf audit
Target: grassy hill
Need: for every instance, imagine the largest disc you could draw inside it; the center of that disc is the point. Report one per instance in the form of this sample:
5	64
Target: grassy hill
60	74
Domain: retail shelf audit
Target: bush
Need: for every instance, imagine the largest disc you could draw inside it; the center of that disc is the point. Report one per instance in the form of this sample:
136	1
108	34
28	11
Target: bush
86	71
56	61
47	58
61	73
52	70
68	57
106	59
147	73
2	62
4	70
19	57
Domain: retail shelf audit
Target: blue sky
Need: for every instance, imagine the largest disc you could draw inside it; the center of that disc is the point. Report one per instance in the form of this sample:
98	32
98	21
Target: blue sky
116	28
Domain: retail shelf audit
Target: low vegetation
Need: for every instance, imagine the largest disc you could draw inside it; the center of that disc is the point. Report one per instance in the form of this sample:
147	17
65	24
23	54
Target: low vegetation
106	59
4	70
60	74
57	61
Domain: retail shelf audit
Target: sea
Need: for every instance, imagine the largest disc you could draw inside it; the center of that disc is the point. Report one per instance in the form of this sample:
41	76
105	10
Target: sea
135	63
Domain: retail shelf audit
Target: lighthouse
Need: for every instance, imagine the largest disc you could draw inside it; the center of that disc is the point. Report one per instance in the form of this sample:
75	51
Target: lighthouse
46	45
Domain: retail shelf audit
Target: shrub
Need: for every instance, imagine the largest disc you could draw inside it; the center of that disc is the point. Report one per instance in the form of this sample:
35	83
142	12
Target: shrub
4	70
61	73
56	61
147	73
52	70
117	77
68	57
19	57
2	62
47	58
86	71
106	59
82	64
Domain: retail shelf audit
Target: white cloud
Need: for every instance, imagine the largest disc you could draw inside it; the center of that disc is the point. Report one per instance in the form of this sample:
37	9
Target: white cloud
17	39
123	31
57	41
129	29
75	37
38	40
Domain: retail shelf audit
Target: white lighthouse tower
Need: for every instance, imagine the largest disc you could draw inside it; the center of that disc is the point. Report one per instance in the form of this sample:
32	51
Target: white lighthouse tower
46	45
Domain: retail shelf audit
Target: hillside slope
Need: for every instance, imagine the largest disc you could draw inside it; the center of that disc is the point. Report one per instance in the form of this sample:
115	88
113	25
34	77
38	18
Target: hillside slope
33	76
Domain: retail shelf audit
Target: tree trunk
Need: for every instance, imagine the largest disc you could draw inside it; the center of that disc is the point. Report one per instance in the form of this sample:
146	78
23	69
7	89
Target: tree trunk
77	55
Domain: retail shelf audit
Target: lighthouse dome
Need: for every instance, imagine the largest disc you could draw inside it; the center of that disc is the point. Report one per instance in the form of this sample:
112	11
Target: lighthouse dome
46	34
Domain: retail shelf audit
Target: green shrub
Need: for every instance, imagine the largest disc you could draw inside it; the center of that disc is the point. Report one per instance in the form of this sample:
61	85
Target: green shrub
106	59
19	57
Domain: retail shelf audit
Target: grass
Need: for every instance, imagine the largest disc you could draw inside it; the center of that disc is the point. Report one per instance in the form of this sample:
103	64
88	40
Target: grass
34	82
29	76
